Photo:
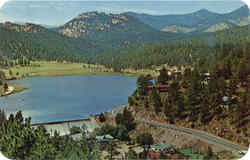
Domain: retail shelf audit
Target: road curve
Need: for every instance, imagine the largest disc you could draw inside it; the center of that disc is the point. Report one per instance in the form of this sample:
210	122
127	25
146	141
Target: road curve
200	134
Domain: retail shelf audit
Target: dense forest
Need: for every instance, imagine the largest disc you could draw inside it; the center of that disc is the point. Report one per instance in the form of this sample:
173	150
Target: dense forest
19	46
16	45
188	51
211	91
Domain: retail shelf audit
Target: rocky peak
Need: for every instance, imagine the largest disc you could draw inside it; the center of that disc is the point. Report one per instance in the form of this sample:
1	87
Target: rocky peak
89	22
27	27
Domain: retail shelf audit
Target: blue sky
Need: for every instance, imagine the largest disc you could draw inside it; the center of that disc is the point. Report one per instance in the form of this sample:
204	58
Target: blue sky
59	11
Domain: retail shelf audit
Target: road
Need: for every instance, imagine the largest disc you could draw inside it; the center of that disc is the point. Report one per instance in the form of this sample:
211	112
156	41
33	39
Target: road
199	134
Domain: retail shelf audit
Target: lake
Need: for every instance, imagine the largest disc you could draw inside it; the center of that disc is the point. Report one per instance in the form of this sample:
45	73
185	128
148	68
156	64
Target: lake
68	97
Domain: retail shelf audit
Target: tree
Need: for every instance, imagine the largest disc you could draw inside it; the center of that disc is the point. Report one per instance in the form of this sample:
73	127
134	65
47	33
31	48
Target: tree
43	148
163	77
146	140
5	87
10	73
122	133
209	153
142	84
156	99
131	154
2	75
102	118
126	119
131	101
3	118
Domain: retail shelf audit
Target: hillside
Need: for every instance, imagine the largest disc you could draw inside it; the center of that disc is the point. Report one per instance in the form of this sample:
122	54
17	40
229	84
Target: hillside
235	35
200	21
187	51
35	42
113	30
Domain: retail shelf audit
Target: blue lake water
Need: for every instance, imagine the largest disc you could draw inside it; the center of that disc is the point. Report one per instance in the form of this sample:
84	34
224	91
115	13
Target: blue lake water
68	97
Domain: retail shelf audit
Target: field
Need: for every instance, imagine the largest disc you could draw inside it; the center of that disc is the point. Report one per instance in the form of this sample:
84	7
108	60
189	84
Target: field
42	68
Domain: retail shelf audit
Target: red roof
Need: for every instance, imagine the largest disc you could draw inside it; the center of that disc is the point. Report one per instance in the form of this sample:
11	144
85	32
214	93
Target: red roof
154	155
159	86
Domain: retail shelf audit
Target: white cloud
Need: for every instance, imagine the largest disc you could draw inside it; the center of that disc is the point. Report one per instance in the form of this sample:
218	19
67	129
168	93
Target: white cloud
247	2
2	2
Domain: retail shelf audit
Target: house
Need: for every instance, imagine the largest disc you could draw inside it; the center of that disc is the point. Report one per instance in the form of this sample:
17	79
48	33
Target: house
154	155
163	147
163	150
159	87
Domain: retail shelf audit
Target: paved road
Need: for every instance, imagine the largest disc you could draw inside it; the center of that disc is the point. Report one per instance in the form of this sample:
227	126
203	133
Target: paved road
199	134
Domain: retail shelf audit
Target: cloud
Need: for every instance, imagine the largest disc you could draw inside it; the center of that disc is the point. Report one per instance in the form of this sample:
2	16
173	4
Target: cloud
2	2
247	2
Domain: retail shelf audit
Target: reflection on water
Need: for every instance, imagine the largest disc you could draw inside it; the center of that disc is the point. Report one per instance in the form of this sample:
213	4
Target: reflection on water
68	97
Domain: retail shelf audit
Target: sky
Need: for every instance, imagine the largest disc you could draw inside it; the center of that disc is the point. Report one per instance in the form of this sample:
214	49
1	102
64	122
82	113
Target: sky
57	12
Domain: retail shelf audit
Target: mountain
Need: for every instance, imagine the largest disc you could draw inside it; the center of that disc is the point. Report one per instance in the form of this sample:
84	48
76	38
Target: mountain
235	35
113	30
43	25
27	27
200	21
35	42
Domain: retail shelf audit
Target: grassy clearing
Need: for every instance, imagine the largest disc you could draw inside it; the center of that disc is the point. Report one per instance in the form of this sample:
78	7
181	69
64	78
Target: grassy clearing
50	69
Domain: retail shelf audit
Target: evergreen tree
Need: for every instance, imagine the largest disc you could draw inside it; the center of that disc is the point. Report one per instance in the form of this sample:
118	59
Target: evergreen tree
5	87
156	100
163	77
146	140
142	84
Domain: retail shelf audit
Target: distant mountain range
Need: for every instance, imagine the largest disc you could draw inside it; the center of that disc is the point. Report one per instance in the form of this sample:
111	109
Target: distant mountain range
95	33
200	21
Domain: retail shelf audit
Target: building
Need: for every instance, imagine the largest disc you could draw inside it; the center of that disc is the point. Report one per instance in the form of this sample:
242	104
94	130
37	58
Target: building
163	148
159	87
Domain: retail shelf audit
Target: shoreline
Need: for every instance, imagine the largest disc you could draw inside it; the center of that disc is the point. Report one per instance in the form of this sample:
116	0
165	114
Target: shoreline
13	90
21	89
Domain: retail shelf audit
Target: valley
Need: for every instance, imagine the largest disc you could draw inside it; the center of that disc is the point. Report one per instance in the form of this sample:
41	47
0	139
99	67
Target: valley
181	81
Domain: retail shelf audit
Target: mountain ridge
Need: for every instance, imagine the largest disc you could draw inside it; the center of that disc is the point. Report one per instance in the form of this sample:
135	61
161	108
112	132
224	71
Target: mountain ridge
117	30
201	20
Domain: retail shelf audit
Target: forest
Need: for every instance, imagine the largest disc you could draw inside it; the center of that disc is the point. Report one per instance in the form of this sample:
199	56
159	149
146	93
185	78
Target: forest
211	91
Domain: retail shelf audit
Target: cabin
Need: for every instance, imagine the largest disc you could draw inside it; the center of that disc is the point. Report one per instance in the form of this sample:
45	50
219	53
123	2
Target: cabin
158	87
163	147
162	151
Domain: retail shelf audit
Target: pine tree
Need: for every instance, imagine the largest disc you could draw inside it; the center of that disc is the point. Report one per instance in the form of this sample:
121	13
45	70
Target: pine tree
163	77
156	99
142	84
